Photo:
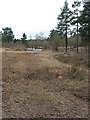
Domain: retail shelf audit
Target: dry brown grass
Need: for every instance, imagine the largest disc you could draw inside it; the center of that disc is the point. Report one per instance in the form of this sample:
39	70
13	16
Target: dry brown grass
35	84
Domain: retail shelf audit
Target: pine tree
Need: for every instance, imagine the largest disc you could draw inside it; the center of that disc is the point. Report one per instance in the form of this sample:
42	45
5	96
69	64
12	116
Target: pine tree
64	22
24	38
7	35
75	20
85	23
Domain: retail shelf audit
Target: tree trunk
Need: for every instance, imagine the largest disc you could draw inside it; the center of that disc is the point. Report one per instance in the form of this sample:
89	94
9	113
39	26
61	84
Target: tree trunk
57	49
88	40
77	33
66	37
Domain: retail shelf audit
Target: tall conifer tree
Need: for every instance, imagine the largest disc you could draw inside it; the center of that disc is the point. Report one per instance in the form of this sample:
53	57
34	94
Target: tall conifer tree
85	23
75	20
64	22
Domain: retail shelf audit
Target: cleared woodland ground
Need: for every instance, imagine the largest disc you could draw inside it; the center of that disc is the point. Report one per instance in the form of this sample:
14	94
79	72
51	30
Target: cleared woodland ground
38	84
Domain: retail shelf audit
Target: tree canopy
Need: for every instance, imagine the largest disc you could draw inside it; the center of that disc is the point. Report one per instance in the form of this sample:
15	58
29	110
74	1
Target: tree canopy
24	37
85	23
7	35
64	21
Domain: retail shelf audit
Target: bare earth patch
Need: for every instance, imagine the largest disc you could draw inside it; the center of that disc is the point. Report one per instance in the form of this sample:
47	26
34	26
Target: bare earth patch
35	84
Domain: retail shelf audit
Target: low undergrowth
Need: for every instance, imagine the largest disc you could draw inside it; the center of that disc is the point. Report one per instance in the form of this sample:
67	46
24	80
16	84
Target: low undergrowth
79	63
78	73
75	59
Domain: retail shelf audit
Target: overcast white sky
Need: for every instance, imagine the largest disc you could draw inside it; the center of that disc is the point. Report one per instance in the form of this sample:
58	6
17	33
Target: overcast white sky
30	16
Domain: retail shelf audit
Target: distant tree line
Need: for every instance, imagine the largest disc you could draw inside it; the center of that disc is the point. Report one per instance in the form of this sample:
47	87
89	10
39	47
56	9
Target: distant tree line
70	23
